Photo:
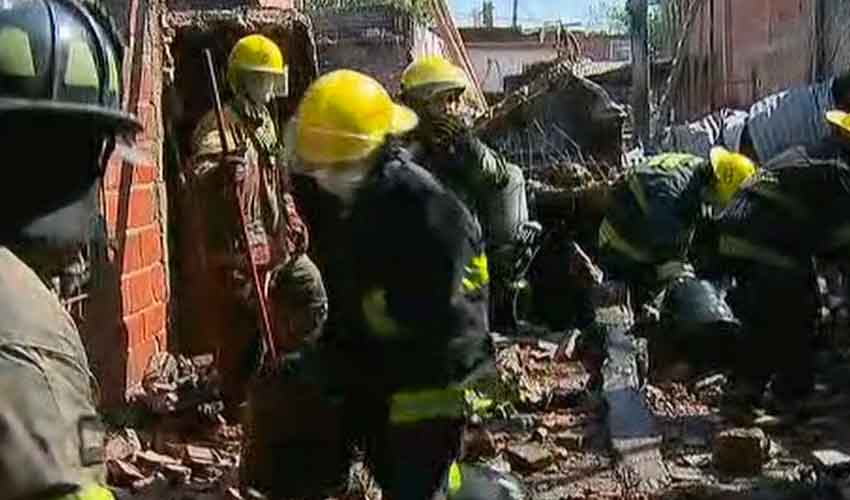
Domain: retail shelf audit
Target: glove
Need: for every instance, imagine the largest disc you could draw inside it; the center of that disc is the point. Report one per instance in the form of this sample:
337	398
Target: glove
236	162
444	130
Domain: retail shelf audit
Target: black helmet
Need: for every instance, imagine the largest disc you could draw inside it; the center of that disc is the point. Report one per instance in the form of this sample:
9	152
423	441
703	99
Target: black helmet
691	304
59	58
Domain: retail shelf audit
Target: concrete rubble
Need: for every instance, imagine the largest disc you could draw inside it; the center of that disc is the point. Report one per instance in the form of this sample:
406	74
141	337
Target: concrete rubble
741	452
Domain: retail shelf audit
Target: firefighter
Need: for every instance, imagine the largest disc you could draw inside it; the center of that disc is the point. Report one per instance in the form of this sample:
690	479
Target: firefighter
490	186
652	214
408	278
768	236
251	178
60	68
646	240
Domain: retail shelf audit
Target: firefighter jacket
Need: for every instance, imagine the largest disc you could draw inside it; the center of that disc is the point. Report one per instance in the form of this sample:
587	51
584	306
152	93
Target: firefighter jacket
408	281
653	212
275	231
788	213
216	276
52	438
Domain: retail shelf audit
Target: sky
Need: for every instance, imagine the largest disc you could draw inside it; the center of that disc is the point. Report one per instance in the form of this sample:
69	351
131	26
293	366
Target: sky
530	12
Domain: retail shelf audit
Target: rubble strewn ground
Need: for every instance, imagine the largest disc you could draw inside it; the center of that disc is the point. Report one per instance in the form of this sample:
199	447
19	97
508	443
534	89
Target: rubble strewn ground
552	435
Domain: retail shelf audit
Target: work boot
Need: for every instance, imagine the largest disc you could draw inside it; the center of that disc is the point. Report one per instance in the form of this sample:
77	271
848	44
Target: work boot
510	268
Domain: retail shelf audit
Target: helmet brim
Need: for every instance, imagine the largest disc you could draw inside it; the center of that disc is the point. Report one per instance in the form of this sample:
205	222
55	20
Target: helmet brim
119	121
260	69
404	120
718	156
839	118
430	90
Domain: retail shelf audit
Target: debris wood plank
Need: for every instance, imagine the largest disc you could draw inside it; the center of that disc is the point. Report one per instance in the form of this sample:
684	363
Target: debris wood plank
635	436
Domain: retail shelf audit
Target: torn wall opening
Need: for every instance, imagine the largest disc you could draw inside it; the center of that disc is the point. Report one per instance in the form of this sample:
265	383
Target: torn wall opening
187	96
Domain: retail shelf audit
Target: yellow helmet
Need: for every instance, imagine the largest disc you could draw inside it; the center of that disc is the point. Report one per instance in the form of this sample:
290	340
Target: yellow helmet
432	75
731	170
840	119
345	116
254	53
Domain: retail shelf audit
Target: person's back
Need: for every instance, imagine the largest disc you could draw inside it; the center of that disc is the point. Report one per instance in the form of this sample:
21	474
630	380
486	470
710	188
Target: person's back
406	242
767	236
408	283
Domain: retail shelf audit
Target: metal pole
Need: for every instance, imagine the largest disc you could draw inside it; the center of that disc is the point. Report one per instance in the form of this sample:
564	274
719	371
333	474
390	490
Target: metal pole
267	336
516	6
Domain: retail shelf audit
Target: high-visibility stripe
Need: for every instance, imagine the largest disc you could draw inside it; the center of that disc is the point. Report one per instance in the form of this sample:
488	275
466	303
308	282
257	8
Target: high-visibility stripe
476	274
415	406
114	77
81	70
737	247
90	492
640	195
15	53
455	478
377	316
674	269
608	236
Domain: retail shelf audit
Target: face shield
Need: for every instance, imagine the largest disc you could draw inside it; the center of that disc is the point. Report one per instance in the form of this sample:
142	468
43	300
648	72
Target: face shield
262	87
339	179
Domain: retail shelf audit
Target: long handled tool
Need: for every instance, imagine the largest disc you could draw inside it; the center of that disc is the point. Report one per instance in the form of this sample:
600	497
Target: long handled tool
267	337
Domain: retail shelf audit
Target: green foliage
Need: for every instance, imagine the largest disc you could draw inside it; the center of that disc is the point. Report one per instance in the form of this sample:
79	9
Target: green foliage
664	20
419	9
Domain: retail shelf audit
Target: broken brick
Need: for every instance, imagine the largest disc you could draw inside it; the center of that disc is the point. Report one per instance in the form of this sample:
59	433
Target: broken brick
741	452
199	455
123	446
154	459
572	441
529	457
479	443
177	473
123	473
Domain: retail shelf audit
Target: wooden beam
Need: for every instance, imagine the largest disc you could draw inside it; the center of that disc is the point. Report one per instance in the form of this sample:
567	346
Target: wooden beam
639	17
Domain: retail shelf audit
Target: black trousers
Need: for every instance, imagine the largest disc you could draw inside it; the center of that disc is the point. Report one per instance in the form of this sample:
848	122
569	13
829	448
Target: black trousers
303	427
778	310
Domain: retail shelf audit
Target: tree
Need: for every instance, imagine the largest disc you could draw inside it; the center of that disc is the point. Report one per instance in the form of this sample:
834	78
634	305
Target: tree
664	20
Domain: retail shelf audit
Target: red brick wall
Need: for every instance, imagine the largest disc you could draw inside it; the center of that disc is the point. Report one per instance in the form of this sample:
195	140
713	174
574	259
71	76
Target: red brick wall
129	312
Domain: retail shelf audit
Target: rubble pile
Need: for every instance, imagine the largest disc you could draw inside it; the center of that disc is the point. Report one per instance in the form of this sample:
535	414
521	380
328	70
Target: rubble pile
674	400
554	438
184	444
177	384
